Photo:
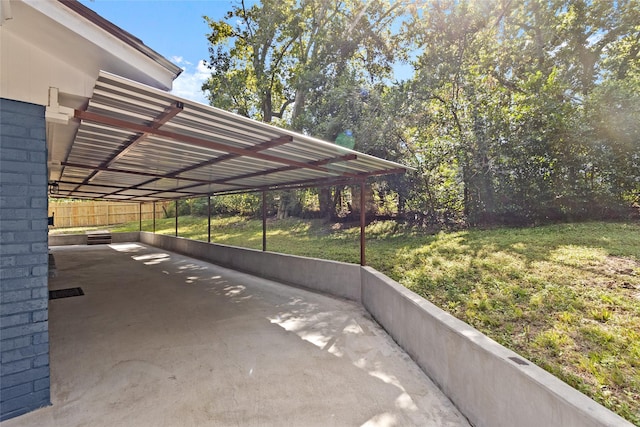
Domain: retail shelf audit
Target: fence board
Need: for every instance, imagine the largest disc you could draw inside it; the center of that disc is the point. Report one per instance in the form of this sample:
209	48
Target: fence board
98	214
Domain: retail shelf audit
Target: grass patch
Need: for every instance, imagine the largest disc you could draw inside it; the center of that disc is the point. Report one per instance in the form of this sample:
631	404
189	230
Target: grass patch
565	296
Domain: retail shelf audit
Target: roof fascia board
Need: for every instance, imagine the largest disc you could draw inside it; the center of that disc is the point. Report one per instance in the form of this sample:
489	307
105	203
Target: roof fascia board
106	41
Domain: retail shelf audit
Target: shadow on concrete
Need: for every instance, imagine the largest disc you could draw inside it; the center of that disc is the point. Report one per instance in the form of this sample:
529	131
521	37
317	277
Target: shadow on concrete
162	339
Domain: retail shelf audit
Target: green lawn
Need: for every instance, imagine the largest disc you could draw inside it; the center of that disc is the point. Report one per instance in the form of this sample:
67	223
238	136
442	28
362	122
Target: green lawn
564	296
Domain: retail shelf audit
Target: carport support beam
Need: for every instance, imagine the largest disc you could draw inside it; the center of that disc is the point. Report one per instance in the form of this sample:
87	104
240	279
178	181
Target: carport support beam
154	217
140	215
264	221
177	217
362	224
209	218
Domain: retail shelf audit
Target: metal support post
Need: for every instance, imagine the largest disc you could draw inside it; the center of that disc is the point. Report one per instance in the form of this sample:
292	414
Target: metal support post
209	218
363	219
177	200
264	220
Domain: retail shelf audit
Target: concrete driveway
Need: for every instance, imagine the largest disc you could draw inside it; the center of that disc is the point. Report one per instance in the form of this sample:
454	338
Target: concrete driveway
160	339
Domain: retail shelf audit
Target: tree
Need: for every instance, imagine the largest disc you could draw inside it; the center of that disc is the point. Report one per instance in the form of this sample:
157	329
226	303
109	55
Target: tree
301	62
512	83
252	59
518	112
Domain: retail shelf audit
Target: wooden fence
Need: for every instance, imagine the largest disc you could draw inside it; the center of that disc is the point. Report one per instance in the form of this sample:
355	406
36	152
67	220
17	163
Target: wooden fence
98	214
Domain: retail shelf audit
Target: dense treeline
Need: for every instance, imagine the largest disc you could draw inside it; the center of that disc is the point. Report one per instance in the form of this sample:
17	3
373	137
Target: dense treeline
511	111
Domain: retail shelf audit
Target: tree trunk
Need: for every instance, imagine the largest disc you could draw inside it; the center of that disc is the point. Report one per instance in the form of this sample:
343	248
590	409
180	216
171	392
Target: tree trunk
267	107
289	204
298	108
283	205
337	201
401	203
483	175
327	206
369	206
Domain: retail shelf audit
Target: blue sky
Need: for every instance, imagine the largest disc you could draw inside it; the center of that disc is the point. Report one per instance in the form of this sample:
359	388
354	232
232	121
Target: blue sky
173	28
176	29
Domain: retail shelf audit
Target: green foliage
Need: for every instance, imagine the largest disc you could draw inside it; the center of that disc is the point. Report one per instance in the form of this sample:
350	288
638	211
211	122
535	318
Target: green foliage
517	113
509	99
517	89
250	204
237	204
234	204
267	60
314	66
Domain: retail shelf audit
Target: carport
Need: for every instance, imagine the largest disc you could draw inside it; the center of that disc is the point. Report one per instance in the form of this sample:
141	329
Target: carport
140	144
139	341
160	339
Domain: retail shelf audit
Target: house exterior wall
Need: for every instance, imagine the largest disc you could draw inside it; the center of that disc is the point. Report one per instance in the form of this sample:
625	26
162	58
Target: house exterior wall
27	71
24	336
47	44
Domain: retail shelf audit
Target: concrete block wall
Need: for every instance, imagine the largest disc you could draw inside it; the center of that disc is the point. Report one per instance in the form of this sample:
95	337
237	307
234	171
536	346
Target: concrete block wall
81	239
331	277
24	337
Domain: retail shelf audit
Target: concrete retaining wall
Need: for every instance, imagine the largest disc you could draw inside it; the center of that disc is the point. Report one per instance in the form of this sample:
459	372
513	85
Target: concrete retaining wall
491	385
335	278
67	239
81	239
132	236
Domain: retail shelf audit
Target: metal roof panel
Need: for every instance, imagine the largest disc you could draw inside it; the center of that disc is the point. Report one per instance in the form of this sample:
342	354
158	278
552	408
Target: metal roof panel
136	141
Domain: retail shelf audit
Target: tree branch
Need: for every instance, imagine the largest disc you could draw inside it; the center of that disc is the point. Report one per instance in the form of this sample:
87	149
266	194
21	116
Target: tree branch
280	113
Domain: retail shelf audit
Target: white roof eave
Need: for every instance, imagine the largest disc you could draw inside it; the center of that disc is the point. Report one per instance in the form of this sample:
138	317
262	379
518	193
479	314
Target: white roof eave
162	74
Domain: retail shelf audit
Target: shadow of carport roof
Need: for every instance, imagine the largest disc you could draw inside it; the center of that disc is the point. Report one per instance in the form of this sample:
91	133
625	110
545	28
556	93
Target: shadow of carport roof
137	143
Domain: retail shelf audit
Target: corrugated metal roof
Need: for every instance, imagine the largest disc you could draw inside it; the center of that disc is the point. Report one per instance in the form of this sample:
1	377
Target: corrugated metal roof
138	143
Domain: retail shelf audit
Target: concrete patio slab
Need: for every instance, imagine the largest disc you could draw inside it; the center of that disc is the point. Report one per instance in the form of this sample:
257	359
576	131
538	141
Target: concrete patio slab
159	339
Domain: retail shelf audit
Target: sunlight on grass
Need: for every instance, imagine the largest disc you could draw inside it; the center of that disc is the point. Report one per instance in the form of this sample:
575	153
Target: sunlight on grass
75	230
577	256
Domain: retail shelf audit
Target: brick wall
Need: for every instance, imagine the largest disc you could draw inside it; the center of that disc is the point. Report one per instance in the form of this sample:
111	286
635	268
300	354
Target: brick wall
24	336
